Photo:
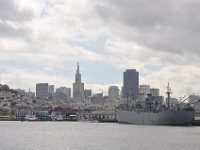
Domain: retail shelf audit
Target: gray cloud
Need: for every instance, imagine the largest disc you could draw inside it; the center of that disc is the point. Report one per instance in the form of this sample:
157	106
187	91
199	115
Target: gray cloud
13	19
170	26
7	30
9	10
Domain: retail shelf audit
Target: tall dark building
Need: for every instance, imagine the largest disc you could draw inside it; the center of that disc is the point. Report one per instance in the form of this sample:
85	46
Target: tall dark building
42	90
131	84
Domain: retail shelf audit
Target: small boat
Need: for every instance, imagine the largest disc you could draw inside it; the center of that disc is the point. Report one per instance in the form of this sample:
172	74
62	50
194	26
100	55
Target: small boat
57	116
30	118
7	118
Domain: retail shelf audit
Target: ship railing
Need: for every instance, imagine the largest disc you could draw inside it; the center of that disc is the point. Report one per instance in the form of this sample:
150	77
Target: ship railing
145	110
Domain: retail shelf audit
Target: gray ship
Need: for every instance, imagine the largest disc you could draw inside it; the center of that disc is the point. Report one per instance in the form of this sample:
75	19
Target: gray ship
156	114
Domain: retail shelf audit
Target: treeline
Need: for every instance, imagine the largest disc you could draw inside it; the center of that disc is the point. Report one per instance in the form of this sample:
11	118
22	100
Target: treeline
5	88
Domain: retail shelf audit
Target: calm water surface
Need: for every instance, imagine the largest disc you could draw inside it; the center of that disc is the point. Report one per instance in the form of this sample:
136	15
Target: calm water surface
96	136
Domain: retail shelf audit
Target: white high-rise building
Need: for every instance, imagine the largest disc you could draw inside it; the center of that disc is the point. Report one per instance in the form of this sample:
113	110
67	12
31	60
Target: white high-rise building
42	90
113	92
78	86
144	90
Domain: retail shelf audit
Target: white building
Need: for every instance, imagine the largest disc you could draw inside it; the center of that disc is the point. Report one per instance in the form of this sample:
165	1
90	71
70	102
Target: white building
113	93
144	90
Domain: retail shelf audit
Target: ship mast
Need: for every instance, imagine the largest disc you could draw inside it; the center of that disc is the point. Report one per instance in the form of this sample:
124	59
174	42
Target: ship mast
168	96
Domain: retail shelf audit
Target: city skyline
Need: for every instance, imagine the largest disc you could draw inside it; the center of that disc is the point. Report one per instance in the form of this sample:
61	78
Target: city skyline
41	41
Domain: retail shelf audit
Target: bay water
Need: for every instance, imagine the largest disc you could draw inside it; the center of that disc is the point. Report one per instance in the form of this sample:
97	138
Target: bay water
96	136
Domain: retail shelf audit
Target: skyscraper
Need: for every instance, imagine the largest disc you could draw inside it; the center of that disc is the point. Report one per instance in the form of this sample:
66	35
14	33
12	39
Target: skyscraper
42	90
131	84
78	86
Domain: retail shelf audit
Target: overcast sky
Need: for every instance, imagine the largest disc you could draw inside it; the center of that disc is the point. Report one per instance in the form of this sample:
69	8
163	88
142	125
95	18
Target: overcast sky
42	40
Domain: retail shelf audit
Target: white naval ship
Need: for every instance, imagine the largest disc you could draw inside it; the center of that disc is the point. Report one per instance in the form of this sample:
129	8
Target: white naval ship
156	115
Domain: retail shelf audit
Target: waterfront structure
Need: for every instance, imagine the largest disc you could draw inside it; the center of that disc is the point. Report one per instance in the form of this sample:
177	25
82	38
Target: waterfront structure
78	86
113	93
131	84
42	90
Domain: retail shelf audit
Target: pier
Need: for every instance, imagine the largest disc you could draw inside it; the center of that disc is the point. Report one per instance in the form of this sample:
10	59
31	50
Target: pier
101	116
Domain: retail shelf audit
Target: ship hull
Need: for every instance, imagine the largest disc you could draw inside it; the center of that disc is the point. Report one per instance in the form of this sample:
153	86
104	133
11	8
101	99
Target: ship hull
168	117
